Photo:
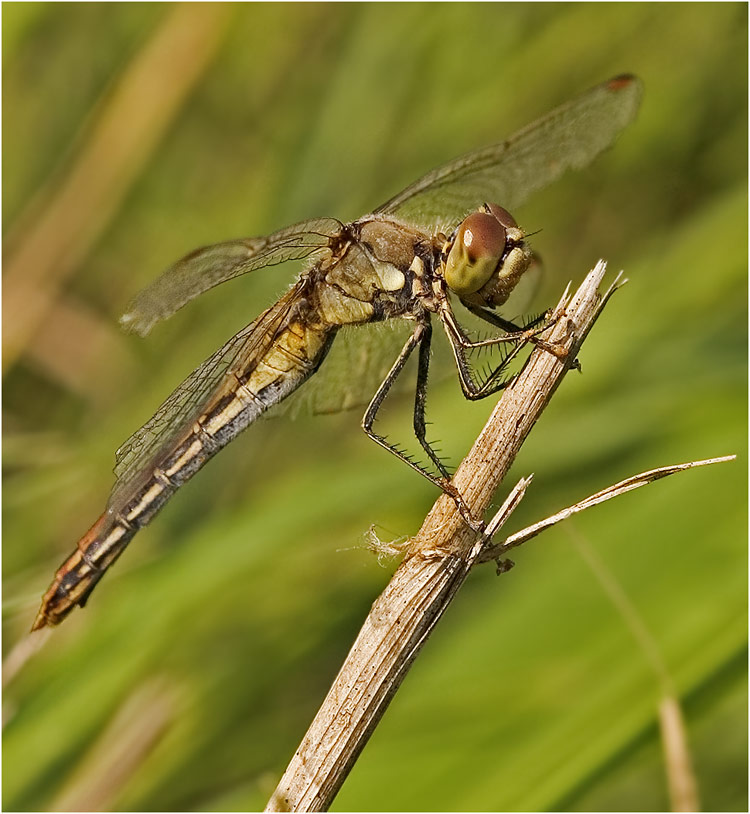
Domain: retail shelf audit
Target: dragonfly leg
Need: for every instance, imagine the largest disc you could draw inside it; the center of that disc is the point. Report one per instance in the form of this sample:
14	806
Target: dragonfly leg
421	336
421	332
420	399
515	332
460	344
505	324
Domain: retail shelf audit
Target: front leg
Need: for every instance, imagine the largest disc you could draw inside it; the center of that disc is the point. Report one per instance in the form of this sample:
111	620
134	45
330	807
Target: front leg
513	331
460	343
504	324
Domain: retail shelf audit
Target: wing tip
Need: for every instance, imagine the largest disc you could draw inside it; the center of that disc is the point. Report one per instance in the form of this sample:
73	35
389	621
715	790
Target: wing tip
134	323
624	84
622	81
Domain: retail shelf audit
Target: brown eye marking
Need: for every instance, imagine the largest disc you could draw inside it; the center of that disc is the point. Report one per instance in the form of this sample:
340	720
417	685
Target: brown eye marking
502	215
483	236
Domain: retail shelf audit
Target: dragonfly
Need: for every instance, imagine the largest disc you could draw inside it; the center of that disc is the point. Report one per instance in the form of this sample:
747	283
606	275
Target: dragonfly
442	244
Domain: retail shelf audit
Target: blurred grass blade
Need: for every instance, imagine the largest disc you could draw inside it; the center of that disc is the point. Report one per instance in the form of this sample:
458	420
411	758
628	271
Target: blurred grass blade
683	791
123	136
120	751
681	782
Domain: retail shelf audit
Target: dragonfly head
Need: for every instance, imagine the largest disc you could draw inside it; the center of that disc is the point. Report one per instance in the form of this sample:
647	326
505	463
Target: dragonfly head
488	257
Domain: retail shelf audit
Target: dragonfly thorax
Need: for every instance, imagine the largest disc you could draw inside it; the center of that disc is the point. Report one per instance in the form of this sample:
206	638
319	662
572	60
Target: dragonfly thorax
487	257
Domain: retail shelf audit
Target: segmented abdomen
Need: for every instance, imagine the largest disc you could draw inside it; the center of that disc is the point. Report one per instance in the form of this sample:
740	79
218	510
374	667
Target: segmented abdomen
242	397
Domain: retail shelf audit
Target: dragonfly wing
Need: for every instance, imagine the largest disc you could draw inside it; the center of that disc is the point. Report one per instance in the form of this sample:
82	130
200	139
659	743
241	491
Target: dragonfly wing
211	265
135	459
506	173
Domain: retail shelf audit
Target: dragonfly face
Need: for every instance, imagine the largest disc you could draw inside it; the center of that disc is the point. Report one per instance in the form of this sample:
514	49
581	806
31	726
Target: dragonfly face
487	258
394	264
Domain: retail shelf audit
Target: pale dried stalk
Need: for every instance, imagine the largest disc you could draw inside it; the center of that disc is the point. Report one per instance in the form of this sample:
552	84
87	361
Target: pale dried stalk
442	553
437	563
683	789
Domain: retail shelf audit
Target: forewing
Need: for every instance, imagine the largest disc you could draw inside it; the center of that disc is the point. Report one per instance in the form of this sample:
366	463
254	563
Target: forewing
207	267
135	459
506	173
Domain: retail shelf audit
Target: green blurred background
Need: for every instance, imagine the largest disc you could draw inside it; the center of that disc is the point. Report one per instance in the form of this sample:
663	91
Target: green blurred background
136	132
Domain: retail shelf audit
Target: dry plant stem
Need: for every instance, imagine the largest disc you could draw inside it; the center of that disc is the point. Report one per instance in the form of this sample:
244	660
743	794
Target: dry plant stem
438	561
683	790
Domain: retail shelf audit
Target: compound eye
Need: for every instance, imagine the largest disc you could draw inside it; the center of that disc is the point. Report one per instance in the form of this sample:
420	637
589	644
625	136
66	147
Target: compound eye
502	215
476	252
